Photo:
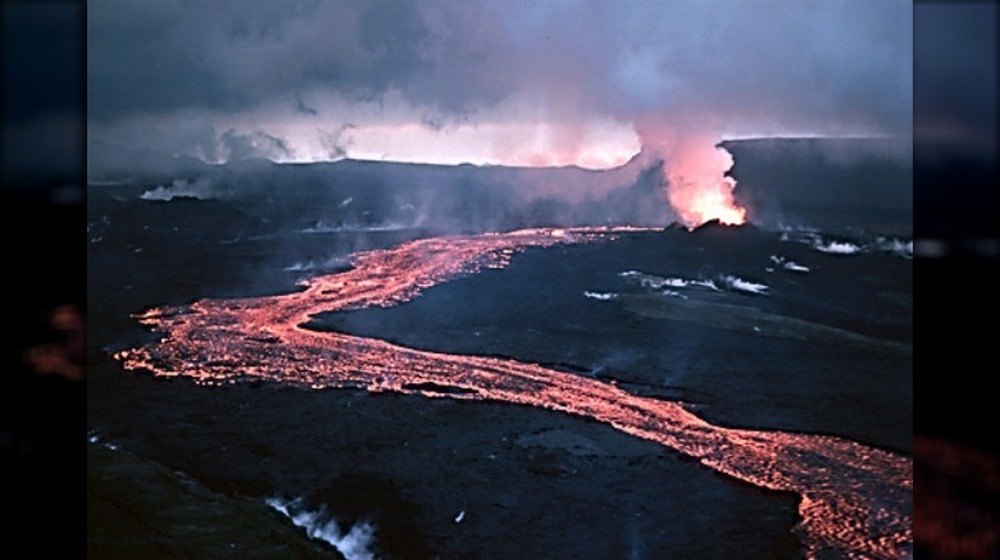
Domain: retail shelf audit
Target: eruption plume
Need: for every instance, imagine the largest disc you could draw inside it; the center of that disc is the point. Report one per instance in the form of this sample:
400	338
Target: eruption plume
698	188
694	168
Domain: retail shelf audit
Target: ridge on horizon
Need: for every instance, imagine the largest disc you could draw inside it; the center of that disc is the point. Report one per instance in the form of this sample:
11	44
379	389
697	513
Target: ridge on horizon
645	154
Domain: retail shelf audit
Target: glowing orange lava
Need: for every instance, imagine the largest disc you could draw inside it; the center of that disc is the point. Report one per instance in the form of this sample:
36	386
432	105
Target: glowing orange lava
856	500
710	204
697	186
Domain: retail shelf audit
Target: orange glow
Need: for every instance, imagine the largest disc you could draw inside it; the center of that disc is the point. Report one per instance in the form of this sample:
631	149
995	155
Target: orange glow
697	186
855	500
709	204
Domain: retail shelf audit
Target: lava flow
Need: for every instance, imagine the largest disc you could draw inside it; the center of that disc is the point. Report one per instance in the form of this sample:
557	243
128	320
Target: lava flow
855	501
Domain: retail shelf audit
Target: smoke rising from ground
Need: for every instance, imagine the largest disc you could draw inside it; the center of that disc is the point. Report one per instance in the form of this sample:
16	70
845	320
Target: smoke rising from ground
588	83
355	544
695	170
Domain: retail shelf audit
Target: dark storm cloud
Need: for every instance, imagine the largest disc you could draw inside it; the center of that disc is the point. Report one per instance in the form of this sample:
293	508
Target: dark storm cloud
829	58
139	60
834	67
148	57
794	63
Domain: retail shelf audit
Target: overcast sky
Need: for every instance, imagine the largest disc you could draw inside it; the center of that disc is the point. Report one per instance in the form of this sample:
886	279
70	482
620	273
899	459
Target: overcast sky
516	82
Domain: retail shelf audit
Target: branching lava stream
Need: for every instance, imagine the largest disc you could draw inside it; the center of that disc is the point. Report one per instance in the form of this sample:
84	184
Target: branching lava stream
856	500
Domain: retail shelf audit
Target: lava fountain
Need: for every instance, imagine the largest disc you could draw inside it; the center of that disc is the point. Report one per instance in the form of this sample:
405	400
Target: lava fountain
697	185
695	167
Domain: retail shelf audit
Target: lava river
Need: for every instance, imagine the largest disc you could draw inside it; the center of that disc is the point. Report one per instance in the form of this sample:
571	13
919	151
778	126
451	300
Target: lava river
855	500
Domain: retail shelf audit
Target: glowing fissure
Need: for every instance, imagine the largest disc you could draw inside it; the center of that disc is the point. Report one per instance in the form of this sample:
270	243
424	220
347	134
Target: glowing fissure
855	500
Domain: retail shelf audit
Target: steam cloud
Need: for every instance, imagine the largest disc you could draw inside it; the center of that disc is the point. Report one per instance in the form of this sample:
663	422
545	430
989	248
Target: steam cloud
355	544
453	82
694	168
202	189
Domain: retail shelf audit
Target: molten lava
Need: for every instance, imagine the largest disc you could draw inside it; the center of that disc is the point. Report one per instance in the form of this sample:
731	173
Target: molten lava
705	205
856	500
697	186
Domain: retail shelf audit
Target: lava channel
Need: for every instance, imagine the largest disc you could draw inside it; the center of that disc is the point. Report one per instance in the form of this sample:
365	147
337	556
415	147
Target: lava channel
855	500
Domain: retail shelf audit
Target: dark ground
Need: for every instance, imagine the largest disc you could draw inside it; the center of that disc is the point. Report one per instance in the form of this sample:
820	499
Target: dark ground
531	483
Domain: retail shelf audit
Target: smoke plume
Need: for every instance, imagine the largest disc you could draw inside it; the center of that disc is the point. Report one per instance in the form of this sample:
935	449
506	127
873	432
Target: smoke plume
697	187
584	83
